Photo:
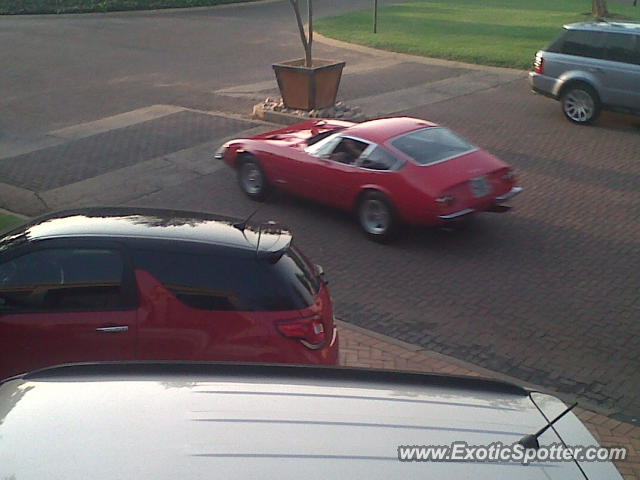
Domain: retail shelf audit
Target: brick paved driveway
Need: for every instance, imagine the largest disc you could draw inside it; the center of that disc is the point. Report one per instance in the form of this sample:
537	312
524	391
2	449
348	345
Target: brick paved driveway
547	292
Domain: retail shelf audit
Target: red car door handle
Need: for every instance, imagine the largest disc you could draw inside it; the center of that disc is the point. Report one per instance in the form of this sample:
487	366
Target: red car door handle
119	329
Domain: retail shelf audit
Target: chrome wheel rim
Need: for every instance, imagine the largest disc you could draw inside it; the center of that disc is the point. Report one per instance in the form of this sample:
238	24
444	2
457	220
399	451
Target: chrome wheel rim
251	178
375	217
579	106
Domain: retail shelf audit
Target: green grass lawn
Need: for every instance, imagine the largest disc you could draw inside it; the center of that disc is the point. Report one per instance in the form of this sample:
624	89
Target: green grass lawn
12	7
505	33
7	220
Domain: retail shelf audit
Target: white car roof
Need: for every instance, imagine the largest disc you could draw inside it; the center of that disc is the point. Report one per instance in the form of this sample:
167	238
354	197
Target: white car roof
250	422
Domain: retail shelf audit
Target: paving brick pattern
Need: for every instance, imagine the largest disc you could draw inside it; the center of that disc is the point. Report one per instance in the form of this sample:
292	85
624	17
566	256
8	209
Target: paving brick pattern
85	158
359	348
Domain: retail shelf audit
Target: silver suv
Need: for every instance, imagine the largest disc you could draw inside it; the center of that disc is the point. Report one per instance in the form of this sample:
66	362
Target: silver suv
591	66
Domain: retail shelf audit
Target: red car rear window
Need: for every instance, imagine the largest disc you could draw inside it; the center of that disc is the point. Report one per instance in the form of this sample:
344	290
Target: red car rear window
235	281
432	145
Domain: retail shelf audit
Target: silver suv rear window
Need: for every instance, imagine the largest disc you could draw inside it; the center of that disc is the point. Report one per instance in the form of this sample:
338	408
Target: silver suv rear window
581	43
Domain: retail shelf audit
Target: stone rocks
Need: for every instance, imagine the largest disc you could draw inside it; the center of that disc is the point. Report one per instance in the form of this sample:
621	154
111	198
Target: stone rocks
339	110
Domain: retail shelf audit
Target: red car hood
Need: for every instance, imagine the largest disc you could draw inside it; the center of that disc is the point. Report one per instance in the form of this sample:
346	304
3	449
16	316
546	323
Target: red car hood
302	131
442	176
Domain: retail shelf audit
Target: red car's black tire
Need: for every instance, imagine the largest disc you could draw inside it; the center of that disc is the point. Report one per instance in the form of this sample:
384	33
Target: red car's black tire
251	178
377	217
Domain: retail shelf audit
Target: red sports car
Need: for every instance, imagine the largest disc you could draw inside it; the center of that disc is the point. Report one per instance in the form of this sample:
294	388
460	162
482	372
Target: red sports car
389	171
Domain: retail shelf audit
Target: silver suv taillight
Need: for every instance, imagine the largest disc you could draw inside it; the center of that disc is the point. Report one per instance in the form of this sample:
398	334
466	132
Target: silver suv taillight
538	64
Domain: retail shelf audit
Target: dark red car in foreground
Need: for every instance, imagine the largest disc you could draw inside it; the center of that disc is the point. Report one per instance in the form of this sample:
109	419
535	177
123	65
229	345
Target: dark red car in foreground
146	284
389	171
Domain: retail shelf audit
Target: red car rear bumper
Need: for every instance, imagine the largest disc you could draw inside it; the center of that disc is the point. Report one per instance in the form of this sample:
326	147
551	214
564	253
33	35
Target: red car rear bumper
494	205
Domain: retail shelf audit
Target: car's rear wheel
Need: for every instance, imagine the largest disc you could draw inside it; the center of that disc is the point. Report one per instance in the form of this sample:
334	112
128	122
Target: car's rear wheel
252	179
580	104
376	216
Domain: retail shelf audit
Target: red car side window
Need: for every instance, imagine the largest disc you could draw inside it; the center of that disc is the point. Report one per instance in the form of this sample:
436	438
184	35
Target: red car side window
62	280
348	151
378	159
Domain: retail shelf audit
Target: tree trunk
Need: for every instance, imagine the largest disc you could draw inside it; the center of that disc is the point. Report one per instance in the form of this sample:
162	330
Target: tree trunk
599	8
306	43
310	27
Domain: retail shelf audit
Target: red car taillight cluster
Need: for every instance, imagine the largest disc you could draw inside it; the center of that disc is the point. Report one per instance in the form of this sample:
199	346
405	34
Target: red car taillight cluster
538	65
310	331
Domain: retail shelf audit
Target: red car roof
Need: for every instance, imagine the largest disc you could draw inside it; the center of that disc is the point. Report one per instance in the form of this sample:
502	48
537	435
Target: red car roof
383	129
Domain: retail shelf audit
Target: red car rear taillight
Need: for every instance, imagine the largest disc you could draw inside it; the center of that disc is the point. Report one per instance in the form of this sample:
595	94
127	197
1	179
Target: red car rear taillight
538	65
310	331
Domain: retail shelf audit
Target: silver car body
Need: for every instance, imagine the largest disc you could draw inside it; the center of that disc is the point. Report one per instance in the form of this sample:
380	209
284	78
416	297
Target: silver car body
616	83
193	421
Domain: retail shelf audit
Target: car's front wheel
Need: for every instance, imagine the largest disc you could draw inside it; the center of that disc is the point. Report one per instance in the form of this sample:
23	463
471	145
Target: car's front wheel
252	179
376	216
580	104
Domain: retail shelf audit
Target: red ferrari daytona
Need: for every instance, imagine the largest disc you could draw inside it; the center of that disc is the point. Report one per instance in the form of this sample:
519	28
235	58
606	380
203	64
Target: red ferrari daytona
389	171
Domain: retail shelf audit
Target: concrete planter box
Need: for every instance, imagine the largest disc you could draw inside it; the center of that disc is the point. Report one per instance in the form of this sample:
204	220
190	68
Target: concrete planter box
305	88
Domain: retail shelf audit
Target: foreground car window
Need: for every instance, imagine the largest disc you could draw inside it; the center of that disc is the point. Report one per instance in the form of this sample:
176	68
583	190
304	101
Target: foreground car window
219	281
61	279
298	272
432	145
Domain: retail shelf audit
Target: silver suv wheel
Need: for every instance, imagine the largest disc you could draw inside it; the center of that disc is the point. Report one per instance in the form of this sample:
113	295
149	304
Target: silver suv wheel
580	104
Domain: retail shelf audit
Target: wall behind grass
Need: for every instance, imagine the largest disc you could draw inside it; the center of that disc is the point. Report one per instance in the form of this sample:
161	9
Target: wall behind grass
504	33
17	7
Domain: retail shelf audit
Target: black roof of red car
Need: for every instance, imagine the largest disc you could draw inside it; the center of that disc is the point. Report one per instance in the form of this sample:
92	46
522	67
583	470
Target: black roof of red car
151	223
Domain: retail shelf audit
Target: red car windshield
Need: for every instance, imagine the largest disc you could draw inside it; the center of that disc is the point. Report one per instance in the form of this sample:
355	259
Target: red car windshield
432	145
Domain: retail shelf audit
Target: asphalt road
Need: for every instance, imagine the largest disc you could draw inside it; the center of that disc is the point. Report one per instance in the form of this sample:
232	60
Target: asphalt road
67	69
547	293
